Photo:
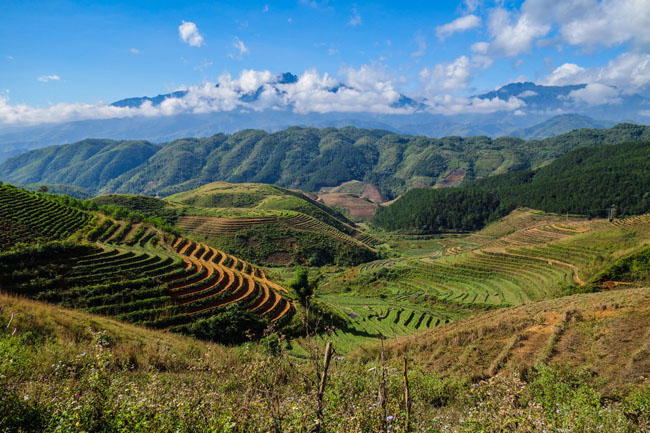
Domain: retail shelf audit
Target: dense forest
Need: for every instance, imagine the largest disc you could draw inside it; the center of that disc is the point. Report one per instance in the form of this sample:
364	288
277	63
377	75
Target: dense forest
423	210
587	181
297	158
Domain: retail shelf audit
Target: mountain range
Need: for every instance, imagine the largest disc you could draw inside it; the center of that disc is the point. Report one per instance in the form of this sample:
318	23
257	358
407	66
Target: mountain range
545	111
309	159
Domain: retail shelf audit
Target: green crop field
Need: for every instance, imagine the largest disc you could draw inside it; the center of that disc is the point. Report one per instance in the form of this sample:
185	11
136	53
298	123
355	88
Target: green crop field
126	269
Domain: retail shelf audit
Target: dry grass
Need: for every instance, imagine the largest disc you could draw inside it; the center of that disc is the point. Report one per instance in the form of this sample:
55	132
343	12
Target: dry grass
606	332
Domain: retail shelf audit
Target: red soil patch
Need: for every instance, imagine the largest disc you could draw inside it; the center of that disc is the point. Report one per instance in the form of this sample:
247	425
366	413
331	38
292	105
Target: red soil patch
359	208
372	193
455	176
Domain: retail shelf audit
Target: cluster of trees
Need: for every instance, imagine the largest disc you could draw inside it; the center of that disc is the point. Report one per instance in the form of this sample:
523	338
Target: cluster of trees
439	210
587	181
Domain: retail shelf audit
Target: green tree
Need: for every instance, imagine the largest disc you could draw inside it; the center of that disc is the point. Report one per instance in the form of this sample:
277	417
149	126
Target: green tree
302	286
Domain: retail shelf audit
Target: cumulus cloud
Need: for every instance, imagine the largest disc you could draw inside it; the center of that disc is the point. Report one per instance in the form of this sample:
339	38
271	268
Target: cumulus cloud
367	89
46	78
480	47
596	94
568	73
629	72
527	94
514	35
447	77
453	76
134	51
26	115
583	23
595	22
189	34
458	25
448	105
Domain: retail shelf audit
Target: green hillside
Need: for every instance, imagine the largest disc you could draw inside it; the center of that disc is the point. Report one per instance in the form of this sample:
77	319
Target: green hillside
587	181
264	224
492	321
302	158
57	250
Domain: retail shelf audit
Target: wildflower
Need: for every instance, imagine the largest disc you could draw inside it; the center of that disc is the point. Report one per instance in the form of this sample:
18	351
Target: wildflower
389	418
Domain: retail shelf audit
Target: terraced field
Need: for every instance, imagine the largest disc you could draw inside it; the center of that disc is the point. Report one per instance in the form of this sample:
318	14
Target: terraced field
26	216
213	226
128	270
369	319
221	279
525	257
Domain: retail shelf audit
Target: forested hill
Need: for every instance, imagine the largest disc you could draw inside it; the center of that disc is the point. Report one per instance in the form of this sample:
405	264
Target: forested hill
304	158
586	181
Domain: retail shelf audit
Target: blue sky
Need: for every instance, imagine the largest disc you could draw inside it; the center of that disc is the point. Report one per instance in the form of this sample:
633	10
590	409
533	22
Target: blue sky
68	52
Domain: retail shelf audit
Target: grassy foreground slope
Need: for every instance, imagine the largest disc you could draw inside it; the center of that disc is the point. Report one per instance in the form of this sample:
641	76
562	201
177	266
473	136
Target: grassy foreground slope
119	377
606	333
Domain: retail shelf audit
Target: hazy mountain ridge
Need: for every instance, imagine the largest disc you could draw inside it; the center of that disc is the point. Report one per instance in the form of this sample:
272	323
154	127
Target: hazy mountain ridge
541	103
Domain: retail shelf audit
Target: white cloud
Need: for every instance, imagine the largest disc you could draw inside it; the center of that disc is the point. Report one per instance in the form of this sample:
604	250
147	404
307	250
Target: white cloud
447	77
596	94
629	72
458	25
452	76
422	46
471	5
367	89
564	74
332	52
480	47
189	33
512	35
448	105
355	19
582	23
46	78
240	46
596	22
134	51
527	94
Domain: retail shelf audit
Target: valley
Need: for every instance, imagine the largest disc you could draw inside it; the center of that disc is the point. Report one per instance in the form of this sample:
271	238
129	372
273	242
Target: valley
462	280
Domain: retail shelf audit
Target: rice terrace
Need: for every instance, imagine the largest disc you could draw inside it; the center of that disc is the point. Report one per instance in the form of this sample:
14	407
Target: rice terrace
438	222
